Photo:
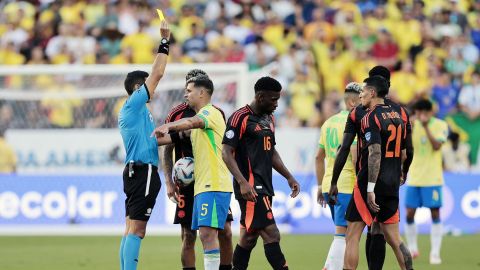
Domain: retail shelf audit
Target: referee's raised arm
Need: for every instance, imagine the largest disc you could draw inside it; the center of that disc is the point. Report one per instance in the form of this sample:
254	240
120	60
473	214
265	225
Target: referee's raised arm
158	68
141	181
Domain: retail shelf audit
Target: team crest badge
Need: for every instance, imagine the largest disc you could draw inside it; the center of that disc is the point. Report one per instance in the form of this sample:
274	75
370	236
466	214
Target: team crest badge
368	136
229	134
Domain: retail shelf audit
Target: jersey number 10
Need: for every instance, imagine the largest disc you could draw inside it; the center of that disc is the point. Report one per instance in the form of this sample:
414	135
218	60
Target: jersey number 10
395	135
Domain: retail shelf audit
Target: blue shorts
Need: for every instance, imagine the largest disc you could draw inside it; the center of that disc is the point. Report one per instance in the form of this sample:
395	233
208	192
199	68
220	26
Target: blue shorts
339	209
430	197
210	209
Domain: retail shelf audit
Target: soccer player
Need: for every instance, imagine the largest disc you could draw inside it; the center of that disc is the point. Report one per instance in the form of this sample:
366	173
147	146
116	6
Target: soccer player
250	154
376	193
213	186
183	196
375	243
141	181
330	136
426	177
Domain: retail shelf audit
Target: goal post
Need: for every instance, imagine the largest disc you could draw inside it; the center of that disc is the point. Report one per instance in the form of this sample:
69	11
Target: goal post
88	93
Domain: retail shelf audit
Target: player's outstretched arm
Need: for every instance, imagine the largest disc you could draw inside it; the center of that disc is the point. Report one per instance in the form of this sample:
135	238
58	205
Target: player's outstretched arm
278	165
164	140
180	125
342	156
167	164
228	156
158	68
320	170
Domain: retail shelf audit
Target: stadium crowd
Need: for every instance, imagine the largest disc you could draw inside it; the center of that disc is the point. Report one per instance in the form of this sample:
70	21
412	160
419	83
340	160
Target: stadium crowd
313	47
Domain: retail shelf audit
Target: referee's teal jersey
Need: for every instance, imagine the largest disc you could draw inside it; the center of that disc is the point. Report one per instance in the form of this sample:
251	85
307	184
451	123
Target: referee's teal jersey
136	124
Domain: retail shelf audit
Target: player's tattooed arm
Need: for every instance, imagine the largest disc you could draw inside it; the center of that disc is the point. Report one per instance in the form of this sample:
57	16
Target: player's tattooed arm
167	164
374	158
374	161
278	165
180	125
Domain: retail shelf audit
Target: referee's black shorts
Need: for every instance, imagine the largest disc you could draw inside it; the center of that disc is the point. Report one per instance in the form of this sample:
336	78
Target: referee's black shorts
141	190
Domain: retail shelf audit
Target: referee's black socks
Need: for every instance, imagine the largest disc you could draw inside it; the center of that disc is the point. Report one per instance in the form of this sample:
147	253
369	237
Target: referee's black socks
275	257
241	257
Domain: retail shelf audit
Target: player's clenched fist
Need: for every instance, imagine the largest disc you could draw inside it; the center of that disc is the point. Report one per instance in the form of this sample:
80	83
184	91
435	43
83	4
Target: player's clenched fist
161	131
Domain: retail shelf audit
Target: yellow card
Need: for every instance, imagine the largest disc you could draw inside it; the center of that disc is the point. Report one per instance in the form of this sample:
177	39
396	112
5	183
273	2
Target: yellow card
160	15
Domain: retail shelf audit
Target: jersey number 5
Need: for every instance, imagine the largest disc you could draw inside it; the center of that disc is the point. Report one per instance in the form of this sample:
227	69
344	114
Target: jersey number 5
395	135
267	144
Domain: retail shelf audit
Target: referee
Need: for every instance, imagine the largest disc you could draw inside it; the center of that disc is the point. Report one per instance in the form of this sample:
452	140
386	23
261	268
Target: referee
141	182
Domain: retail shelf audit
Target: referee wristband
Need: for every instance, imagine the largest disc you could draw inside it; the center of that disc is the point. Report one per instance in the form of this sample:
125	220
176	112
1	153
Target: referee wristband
370	187
164	47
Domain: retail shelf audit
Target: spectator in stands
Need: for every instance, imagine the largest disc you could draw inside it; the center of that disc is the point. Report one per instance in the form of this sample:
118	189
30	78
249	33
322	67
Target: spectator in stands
196	46
385	51
455	154
304	93
469	99
259	53
141	43
445	94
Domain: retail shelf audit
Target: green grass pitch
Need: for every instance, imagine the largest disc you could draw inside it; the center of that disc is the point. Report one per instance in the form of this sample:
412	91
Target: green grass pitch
163	252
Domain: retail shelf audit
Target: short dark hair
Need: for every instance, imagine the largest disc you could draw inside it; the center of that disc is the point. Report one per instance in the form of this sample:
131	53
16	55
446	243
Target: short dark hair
194	73
134	77
423	105
379	83
202	81
380	71
267	84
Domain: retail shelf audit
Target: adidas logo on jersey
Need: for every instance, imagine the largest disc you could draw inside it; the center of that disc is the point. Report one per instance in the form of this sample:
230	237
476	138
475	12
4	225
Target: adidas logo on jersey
258	128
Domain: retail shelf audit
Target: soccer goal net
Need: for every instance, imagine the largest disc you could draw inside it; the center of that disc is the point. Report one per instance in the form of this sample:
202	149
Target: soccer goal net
39	97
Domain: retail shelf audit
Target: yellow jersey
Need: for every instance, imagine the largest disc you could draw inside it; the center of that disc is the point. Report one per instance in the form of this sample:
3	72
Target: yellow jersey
8	159
426	169
211	173
331	136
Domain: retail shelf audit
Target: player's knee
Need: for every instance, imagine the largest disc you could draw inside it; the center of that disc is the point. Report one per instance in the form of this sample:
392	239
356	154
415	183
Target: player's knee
248	241
410	214
435	215
189	238
271	235
376	229
225	235
208	236
140	232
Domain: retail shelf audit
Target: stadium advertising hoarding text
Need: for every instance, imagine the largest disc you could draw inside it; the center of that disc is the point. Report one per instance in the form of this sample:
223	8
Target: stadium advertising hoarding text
94	151
86	201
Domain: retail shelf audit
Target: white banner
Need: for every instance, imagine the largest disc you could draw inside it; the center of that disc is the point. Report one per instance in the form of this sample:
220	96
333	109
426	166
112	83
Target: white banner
92	151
